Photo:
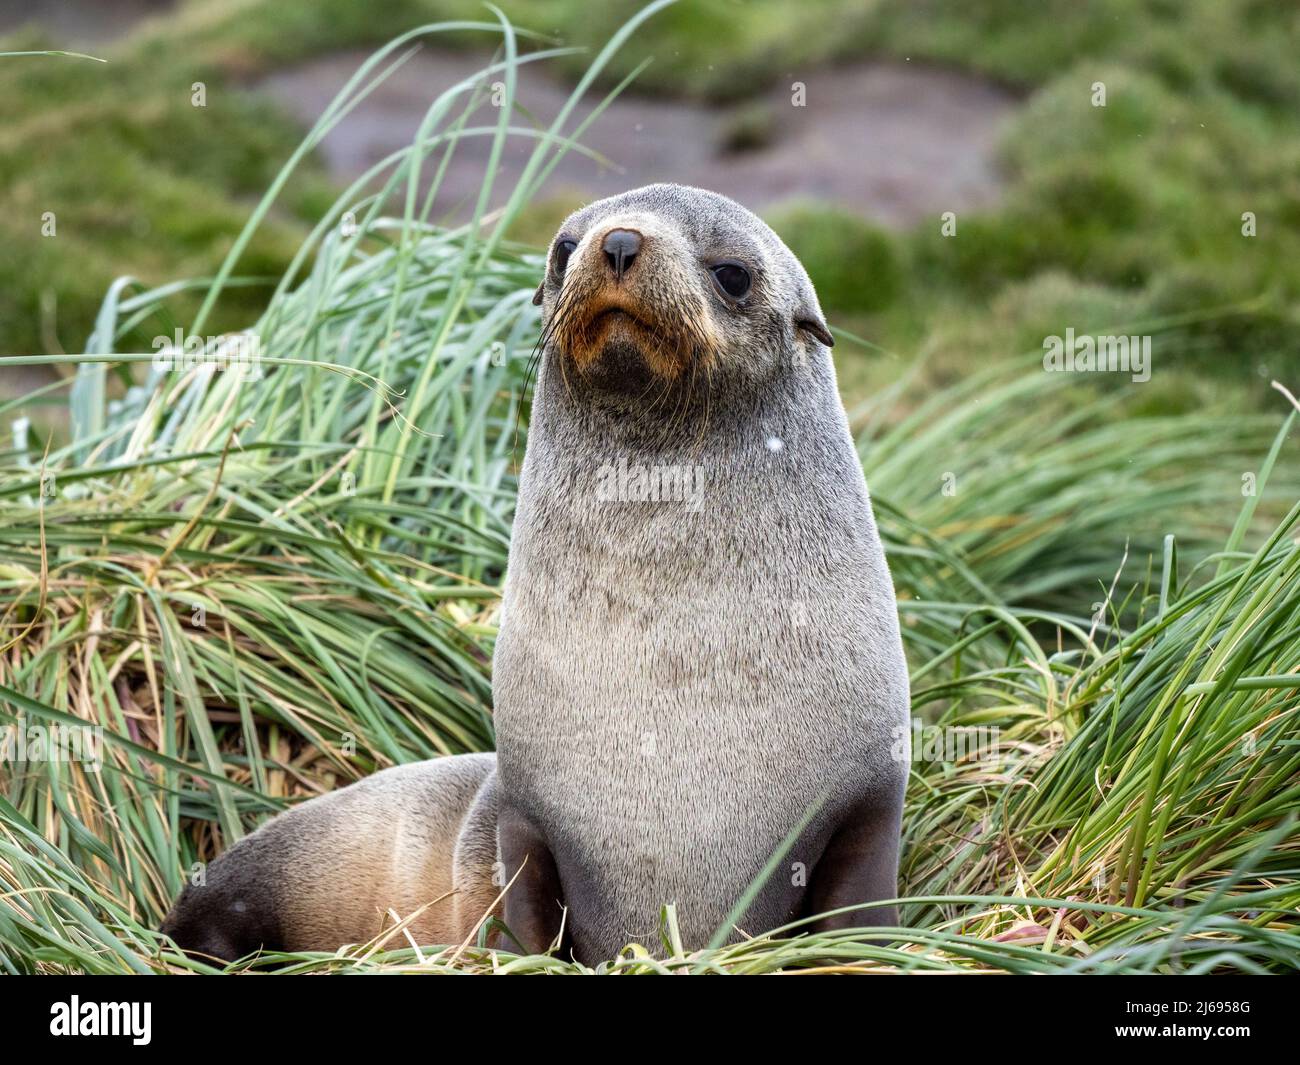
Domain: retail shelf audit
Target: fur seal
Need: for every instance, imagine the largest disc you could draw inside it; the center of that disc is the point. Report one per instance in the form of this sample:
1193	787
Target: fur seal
699	664
325	873
699	661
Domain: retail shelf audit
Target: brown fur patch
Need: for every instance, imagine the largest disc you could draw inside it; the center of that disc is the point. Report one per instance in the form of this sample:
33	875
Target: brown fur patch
659	312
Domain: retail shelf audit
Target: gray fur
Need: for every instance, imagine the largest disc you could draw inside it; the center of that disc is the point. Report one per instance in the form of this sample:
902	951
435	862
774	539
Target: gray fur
676	687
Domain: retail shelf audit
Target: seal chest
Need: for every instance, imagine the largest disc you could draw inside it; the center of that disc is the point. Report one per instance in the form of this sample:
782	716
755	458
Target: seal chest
699	654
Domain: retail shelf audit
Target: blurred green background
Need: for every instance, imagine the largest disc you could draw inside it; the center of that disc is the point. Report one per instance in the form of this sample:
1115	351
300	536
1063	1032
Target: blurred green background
1067	214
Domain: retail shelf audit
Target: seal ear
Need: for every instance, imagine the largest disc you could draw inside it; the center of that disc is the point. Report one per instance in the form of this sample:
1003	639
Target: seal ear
537	296
803	319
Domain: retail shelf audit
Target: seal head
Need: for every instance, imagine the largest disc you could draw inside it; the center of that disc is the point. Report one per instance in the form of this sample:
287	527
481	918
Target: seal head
656	288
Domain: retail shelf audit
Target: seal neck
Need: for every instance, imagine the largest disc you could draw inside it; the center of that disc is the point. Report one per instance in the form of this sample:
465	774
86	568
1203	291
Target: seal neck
701	414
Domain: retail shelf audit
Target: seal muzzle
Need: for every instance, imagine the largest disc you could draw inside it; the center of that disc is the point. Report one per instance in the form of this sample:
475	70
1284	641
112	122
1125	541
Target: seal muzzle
630	289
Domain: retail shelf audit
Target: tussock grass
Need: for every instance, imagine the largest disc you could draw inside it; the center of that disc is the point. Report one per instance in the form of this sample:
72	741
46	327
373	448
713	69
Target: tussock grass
263	589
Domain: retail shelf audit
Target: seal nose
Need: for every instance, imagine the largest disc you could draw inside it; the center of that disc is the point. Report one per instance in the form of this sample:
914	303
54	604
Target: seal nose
621	248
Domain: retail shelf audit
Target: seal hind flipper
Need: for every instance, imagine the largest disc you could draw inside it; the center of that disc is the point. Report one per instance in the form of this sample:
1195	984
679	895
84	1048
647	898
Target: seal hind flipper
327	872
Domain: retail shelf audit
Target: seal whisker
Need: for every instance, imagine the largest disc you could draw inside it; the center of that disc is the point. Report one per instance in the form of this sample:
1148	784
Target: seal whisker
534	360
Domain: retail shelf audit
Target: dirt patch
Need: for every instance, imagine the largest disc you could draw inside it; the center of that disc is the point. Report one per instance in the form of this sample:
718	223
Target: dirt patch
892	141
76	22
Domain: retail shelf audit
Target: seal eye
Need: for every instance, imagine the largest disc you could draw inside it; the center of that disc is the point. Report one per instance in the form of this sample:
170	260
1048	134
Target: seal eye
563	249
732	278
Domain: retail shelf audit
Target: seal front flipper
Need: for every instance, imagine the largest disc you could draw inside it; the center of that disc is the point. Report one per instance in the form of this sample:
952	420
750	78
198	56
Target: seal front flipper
533	908
859	864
